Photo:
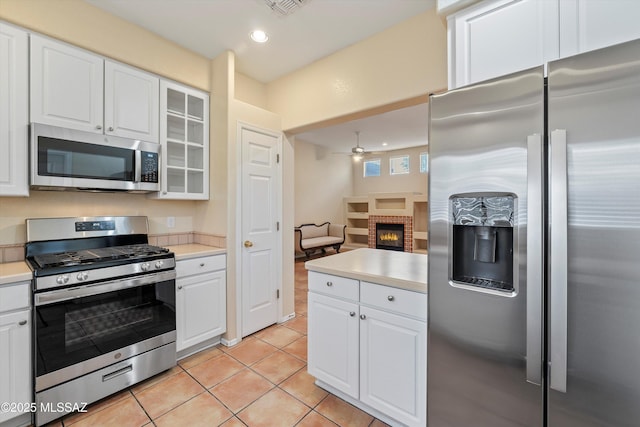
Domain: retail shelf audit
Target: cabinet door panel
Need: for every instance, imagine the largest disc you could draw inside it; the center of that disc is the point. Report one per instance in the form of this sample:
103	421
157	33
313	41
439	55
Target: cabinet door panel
200	313
15	357
393	365
333	342
132	103
593	24
500	37
184	135
14	111
66	86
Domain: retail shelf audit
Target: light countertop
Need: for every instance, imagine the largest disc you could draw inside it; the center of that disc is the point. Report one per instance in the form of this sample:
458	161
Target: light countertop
398	269
12	272
194	250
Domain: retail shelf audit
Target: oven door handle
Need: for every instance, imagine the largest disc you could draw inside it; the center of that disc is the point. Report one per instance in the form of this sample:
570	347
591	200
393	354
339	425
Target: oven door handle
66	294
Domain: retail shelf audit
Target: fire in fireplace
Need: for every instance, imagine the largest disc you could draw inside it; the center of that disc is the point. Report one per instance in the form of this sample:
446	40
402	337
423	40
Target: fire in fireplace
390	236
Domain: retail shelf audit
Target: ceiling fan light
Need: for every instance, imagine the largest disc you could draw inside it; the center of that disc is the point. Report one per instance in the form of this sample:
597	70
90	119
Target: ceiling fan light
357	150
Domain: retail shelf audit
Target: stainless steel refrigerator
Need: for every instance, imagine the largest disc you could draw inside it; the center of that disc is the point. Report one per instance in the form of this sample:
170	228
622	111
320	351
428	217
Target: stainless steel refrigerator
534	247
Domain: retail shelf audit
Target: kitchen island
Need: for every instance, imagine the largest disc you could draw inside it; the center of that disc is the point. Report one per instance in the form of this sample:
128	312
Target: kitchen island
367	331
391	268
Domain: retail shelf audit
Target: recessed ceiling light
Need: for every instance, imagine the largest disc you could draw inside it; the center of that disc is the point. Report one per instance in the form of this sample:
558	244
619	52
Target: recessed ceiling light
259	36
384	144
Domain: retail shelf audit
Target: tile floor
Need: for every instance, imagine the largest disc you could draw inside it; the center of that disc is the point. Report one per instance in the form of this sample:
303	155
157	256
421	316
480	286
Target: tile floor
262	381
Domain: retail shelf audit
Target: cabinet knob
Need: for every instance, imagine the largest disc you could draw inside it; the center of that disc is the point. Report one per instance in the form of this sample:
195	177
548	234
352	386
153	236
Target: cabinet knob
362	316
98	127
391	297
22	322
352	313
329	283
202	264
110	128
179	287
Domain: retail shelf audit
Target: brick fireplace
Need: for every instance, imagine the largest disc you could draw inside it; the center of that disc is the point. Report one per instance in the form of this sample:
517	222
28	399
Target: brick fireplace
406	221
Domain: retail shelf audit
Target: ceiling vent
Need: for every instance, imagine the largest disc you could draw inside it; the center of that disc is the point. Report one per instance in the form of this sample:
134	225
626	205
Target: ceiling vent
285	7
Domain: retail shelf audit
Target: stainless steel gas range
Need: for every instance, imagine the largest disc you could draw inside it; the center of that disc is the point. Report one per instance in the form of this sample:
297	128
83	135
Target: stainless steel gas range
104	308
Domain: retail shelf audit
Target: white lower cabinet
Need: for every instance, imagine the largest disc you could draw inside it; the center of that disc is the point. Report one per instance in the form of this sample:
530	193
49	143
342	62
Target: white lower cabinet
393	365
368	343
333	342
15	347
201	288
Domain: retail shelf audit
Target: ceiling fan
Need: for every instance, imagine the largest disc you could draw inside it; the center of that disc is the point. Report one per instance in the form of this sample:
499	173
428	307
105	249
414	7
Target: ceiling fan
357	152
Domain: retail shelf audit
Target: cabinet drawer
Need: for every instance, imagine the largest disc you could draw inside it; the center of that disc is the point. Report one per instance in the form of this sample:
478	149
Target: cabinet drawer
333	285
398	300
15	296
201	265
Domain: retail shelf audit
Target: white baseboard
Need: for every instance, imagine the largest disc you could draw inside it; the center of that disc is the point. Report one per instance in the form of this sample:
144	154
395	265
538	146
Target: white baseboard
287	317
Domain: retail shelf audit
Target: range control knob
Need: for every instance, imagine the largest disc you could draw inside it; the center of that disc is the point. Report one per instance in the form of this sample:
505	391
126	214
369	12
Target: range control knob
145	266
61	280
159	264
82	276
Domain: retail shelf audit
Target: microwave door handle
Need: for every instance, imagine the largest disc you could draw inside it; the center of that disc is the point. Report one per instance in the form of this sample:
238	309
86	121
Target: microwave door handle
534	259
138	166
558	261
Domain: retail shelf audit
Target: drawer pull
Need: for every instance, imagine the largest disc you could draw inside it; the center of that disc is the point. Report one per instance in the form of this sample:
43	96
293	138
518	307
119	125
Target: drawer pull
117	373
391	298
352	313
202	264
329	283
22	322
362	316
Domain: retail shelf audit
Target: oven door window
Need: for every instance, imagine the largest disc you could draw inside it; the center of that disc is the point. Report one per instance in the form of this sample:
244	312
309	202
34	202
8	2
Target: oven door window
69	332
57	157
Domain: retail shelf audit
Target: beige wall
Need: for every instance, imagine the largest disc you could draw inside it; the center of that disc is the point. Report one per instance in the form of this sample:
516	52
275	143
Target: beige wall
250	91
406	61
322	179
385	183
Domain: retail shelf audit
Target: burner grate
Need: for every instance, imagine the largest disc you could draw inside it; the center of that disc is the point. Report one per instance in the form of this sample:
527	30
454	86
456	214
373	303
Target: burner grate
96	255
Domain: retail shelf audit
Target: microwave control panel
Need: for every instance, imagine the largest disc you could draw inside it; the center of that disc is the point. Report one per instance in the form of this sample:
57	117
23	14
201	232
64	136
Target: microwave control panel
149	172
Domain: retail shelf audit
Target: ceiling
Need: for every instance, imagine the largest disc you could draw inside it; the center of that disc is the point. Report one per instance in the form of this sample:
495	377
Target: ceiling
403	128
311	30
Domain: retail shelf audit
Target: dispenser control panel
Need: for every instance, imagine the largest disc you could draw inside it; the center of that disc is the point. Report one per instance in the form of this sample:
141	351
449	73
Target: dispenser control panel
482	241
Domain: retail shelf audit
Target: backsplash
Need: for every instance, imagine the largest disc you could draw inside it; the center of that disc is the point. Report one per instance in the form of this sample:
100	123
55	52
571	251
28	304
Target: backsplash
14	253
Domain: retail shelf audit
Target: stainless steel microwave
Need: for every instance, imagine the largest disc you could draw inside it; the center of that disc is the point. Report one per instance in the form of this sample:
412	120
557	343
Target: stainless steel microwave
71	159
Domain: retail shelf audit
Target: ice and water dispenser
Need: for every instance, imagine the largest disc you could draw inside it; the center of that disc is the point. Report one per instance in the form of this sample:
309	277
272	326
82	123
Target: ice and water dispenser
482	241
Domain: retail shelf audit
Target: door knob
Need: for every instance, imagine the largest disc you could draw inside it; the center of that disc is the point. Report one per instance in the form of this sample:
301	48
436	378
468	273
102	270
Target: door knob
248	243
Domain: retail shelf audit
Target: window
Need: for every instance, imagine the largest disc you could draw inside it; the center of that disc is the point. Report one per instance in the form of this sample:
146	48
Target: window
424	163
371	167
399	165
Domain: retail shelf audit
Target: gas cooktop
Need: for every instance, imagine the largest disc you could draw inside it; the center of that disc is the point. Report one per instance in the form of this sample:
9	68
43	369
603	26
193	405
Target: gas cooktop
97	255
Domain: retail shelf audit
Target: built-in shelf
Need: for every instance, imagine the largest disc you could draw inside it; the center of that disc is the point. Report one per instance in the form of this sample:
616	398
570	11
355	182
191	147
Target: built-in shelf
357	210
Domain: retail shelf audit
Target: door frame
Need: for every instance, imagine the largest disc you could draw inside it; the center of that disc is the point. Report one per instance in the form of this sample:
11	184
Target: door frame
238	228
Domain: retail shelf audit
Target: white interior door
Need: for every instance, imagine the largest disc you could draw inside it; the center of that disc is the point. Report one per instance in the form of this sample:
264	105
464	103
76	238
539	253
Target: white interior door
261	255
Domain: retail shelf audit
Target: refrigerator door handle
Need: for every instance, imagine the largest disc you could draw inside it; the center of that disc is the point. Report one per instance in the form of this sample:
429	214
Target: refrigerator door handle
558	261
534	259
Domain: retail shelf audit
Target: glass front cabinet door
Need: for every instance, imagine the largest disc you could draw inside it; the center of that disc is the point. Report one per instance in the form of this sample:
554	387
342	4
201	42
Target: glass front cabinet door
184	134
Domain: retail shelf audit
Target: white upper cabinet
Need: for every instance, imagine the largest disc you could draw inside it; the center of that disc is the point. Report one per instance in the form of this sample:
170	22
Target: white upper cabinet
66	86
497	37
76	89
184	135
14	111
131	102
593	24
494	38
